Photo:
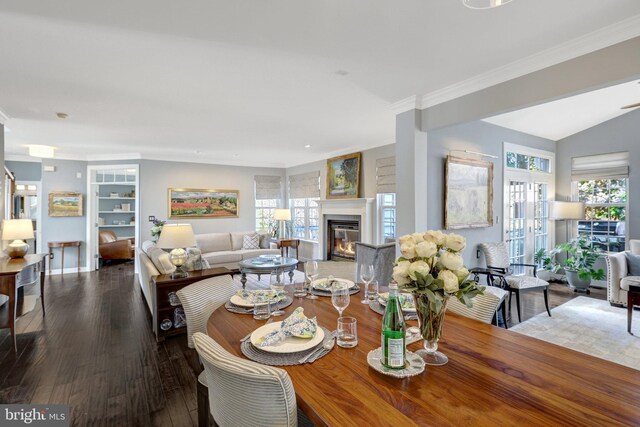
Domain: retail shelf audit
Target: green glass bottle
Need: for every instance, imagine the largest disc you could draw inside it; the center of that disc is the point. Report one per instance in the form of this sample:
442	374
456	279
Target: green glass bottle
393	332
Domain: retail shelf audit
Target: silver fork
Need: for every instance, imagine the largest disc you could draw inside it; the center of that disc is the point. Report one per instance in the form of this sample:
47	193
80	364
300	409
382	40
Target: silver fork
246	337
325	346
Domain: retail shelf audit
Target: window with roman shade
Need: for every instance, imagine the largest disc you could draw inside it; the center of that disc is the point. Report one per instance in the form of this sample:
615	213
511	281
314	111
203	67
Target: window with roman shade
304	192
386	175
268	195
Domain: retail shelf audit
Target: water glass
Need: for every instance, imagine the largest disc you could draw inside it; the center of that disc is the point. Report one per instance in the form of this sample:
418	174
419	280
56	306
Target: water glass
366	275
262	311
278	286
372	290
299	288
347	336
340	297
311	271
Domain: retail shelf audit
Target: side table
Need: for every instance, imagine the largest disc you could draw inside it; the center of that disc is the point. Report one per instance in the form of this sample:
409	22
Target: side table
63	245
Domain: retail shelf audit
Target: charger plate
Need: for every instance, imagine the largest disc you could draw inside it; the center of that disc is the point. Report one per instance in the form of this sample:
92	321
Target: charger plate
290	344
415	365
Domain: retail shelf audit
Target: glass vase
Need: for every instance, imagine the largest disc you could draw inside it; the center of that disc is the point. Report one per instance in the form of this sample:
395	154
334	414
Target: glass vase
430	321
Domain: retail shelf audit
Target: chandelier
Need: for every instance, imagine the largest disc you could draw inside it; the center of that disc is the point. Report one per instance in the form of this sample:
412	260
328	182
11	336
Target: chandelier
484	4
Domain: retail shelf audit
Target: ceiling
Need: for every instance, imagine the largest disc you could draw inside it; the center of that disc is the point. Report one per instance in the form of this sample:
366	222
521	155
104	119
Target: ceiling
559	119
252	82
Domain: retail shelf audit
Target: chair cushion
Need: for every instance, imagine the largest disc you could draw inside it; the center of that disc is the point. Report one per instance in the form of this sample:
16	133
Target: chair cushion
213	242
251	241
253	253
633	263
222	257
496	254
161	260
629	280
525	282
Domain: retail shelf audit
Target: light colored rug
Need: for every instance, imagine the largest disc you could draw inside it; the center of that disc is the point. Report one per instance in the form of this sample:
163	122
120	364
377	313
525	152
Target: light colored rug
589	326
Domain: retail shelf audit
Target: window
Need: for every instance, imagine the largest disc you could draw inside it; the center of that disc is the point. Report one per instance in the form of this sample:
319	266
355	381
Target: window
268	194
387	215
527	162
306	224
264	214
606	202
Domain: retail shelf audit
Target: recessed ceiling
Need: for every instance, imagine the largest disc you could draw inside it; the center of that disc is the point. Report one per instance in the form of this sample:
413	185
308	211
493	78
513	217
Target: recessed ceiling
253	82
559	119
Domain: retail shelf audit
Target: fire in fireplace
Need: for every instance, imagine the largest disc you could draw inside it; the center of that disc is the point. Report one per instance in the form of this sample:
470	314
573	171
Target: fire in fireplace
343	236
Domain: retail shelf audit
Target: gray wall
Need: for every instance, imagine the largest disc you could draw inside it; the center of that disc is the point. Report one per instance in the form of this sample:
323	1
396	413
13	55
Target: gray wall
2	174
25	171
480	137
619	134
156	177
64	228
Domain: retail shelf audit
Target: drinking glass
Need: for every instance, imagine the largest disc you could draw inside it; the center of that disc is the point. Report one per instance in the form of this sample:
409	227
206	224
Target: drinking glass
347	333
262	311
299	288
340	296
277	285
372	290
366	275
311	271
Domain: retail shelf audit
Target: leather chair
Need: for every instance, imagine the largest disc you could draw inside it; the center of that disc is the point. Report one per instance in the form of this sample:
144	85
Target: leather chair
111	248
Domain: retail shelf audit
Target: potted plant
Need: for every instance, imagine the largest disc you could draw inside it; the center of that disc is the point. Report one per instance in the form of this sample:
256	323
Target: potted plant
581	256
547	266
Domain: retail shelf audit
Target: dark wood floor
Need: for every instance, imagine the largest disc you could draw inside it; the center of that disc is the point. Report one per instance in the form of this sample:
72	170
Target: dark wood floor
95	351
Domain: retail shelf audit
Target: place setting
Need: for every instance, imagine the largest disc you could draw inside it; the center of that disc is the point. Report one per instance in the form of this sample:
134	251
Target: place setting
259	302
323	287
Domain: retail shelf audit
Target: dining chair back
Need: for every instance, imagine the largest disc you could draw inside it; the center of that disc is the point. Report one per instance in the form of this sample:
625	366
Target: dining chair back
485	307
382	258
202	298
245	393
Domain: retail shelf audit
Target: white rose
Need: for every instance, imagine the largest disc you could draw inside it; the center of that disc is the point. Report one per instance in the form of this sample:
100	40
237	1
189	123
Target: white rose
402	268
401	278
408	250
435	236
418	267
462	274
406	239
455	242
426	249
418	237
451	261
450	281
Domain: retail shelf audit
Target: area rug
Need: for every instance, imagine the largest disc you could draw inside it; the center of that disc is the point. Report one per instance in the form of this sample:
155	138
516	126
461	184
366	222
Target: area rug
589	326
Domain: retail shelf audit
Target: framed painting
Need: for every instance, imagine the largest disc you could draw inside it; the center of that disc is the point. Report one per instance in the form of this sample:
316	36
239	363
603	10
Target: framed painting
65	204
197	203
468	193
343	177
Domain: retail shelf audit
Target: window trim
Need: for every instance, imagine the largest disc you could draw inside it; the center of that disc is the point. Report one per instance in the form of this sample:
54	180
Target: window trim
380	211
307	207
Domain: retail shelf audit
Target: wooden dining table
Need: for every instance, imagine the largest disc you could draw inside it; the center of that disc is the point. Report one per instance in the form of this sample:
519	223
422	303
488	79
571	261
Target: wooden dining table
494	377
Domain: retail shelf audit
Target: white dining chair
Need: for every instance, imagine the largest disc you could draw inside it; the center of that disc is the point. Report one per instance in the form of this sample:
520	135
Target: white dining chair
199	300
245	393
485	307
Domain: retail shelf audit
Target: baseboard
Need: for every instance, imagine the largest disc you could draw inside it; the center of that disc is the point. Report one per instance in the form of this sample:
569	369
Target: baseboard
67	270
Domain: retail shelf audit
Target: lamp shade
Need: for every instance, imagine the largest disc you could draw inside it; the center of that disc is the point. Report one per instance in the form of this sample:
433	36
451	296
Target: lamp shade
176	236
566	210
282	214
17	229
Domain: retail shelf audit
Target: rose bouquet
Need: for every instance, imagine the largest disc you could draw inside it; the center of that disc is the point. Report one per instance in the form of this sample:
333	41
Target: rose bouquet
431	268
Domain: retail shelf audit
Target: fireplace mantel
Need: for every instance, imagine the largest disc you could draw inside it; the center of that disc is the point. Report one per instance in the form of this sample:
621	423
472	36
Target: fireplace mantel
362	208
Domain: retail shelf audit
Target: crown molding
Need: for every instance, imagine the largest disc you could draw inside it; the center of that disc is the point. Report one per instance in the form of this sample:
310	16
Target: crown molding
109	157
413	102
21	158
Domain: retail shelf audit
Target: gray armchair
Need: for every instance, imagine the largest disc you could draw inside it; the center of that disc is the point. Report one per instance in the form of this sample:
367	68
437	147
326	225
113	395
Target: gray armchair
381	257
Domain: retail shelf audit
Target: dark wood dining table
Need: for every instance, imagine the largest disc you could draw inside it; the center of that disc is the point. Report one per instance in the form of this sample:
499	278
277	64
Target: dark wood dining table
494	377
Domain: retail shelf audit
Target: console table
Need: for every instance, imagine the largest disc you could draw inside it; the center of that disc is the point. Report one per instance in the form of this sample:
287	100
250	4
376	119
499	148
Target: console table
63	245
14	274
163	284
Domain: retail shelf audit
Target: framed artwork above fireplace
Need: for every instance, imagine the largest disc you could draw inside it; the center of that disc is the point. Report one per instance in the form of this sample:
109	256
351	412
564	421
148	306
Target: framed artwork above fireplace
343	177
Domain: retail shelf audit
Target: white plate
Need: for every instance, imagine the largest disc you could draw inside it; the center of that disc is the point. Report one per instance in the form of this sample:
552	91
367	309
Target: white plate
241	302
385	295
289	344
317	282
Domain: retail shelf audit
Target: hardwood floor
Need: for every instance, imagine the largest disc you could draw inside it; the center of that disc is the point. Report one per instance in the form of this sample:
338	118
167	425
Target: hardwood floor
96	352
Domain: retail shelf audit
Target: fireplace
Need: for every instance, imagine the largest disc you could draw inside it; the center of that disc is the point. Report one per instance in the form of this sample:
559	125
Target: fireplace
343	235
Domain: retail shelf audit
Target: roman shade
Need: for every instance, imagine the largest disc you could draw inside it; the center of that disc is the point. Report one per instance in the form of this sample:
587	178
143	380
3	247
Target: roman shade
600	166
386	175
268	187
304	185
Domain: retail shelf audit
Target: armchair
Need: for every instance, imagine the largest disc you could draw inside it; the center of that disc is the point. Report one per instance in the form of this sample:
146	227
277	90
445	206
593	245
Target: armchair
618	278
111	248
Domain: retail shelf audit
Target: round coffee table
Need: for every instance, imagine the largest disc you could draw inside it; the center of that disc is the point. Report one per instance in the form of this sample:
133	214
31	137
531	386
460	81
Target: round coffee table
266	265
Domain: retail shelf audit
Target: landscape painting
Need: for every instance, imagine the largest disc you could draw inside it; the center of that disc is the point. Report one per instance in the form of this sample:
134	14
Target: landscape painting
468	193
65	204
343	176
196	203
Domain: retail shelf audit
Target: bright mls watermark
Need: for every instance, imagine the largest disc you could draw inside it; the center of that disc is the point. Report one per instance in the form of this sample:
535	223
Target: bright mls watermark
34	415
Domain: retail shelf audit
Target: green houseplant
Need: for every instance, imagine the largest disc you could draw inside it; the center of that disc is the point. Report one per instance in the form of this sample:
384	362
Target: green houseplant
581	256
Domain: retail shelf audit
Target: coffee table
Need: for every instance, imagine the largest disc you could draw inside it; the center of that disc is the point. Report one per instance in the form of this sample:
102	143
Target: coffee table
266	265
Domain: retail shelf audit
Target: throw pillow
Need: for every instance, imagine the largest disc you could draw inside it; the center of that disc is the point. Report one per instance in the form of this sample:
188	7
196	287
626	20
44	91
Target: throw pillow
633	262
161	260
251	241
265	240
194	260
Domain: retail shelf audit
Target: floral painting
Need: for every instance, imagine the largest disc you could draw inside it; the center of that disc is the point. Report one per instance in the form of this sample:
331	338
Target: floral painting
468	193
65	204
196	203
343	176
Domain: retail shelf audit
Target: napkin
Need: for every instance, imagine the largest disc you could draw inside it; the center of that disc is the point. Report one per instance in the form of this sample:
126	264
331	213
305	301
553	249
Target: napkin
327	284
260	296
297	324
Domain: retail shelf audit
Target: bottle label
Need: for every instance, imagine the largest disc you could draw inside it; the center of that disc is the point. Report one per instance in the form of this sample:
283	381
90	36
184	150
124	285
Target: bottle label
395	352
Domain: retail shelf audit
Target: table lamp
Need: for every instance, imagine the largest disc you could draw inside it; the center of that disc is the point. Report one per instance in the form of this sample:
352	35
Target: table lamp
282	215
17	230
177	237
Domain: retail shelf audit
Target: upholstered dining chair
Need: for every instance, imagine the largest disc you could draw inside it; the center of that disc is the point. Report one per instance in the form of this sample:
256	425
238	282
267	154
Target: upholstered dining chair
199	300
382	258
485	307
245	393
501	274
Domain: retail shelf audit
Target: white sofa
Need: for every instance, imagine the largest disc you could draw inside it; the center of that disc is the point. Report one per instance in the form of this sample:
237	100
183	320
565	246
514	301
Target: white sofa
219	249
618	279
